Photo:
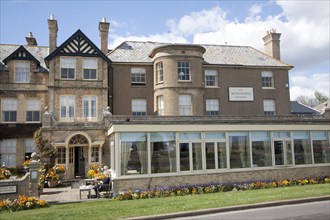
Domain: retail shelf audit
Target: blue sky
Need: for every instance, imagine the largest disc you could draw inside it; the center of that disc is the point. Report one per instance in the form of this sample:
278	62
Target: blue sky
304	26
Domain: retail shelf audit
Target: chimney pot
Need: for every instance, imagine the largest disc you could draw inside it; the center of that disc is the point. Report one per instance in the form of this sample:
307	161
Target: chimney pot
104	20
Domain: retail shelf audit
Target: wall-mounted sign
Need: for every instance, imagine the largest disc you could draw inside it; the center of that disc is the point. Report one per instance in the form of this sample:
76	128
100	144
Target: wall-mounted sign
8	189
241	94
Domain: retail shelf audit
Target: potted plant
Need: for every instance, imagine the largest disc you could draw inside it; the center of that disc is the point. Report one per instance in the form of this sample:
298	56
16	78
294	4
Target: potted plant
52	178
4	173
60	170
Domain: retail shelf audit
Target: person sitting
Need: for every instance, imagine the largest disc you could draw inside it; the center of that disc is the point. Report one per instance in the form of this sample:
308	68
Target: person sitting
103	186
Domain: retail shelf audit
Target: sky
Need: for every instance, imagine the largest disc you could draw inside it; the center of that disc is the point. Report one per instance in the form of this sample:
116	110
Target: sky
304	25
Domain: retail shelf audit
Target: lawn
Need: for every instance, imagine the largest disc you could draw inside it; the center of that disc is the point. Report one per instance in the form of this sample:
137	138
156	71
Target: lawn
111	209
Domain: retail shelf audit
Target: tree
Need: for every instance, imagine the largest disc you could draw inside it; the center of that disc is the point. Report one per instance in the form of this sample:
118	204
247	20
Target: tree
45	150
313	101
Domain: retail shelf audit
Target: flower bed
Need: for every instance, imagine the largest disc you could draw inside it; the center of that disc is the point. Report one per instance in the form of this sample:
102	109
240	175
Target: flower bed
22	203
213	188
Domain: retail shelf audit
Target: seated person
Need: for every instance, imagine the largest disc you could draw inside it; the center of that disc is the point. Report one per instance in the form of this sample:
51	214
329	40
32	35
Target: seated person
103	186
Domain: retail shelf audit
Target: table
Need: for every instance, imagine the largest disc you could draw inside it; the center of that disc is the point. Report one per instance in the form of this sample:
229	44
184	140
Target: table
85	188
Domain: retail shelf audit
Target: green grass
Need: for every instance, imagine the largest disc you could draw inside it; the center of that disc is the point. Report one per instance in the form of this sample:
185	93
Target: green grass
111	209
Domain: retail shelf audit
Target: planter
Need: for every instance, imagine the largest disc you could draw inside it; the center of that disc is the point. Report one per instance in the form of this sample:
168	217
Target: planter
52	184
61	176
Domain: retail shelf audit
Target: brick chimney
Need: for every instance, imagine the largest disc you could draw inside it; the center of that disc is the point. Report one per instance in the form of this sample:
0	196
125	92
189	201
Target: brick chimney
272	44
104	32
52	27
30	40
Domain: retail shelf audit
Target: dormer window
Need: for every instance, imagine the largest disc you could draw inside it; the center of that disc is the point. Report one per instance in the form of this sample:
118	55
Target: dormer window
90	68
22	71
68	67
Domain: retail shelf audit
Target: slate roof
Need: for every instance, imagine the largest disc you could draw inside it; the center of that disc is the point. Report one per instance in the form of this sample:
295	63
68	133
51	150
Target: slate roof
300	109
136	52
39	53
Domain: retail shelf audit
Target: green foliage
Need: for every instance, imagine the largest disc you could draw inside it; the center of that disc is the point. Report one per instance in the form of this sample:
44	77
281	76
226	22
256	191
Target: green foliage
313	101
44	148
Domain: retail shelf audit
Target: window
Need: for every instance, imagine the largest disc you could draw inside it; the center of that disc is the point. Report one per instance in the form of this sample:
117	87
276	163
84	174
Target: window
302	147
61	155
184	71
159	70
160	105
190	149
9	110
22	71
67	108
133	153
138	76
89	68
71	155
267	79
212	106
139	107
215	151
185	105
211	78
321	149
269	107
163	147
90	107
261	149
33	110
29	147
239	150
95	155
68	66
8	152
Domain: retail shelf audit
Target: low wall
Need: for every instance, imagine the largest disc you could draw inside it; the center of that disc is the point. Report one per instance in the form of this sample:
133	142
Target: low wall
11	188
126	183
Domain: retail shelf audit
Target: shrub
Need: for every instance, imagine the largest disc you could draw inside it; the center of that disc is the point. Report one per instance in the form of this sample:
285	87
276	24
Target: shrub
22	203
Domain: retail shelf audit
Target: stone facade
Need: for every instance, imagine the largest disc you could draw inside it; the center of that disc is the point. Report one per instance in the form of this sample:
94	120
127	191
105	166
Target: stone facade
232	176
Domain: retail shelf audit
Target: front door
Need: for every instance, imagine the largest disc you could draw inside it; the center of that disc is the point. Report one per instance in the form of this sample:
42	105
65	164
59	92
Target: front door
79	162
283	152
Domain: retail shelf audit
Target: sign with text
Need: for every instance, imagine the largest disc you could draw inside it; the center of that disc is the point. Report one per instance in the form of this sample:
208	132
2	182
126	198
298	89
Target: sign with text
241	94
8	189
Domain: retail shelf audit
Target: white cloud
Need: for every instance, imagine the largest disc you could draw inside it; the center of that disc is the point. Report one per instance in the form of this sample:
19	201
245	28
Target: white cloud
307	85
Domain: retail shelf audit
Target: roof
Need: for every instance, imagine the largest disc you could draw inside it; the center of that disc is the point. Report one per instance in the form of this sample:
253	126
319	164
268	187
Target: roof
301	109
78	44
38	52
138	52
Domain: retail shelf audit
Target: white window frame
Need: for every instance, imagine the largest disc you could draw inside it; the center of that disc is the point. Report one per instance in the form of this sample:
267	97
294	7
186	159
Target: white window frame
138	76
68	63
160	72
269	107
8	152
211	73
160	105
61	155
67	104
90	107
185	105
89	64
139	107
212	106
33	105
184	71
22	71
267	78
9	105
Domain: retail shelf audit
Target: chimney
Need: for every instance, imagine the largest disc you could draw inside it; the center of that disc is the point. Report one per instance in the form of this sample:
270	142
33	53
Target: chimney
104	32
52	27
272	44
30	40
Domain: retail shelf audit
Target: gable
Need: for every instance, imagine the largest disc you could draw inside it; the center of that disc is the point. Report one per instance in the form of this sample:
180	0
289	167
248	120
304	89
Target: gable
20	54
78	45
